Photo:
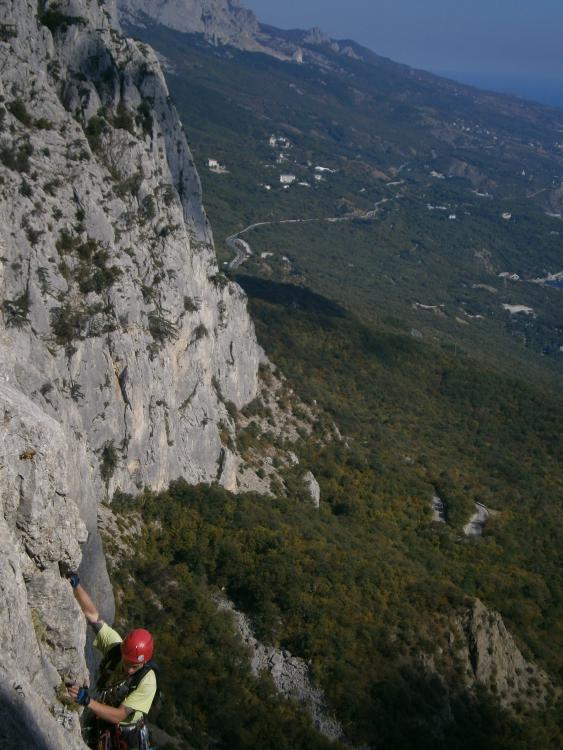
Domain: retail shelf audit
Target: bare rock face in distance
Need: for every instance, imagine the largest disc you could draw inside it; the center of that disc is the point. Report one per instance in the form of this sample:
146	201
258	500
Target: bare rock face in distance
222	21
121	345
494	661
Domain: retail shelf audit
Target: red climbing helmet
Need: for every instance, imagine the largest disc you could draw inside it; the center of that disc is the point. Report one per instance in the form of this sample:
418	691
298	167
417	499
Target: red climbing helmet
137	647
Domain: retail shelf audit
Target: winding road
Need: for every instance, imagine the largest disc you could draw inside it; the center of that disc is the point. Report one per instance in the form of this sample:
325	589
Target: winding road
243	251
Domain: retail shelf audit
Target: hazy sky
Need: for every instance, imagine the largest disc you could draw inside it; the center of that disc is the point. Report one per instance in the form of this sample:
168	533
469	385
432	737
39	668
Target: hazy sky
494	37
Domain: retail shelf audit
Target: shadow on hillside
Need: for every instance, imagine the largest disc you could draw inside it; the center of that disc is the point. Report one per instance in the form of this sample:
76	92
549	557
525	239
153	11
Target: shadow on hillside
291	296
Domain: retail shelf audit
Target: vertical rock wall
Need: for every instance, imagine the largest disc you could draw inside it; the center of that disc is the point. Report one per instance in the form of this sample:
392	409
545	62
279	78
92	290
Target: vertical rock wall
121	345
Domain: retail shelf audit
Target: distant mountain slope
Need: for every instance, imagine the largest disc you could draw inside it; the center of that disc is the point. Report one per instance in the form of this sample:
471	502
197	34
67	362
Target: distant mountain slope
423	172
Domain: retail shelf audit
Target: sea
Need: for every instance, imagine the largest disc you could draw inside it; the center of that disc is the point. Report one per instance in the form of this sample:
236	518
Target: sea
543	90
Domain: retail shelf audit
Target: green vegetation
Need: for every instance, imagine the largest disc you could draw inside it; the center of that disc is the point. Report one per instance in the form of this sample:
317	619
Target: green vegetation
123	119
204	670
90	267
390	321
94	131
68	323
16	311
130	185
108	461
7	31
19	110
369	584
26	189
162	329
16	159
144	117
56	21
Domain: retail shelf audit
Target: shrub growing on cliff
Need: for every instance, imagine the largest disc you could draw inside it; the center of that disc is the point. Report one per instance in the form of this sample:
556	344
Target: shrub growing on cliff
123	119
19	110
16	159
94	130
129	186
16	310
108	461
67	323
162	329
56	21
7	31
144	117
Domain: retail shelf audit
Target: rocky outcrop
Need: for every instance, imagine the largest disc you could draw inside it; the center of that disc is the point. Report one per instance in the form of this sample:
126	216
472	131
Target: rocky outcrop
494	661
290	674
476	524
221	21
122	349
40	529
313	488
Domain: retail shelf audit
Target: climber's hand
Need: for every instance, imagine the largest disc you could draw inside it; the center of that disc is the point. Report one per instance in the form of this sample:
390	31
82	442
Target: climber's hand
73	579
80	694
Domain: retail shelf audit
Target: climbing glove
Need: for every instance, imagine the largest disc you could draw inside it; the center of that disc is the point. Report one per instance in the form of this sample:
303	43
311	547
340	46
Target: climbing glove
83	697
74	579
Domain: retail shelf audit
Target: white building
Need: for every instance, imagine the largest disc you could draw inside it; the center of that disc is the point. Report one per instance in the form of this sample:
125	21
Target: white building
287	179
214	166
279	141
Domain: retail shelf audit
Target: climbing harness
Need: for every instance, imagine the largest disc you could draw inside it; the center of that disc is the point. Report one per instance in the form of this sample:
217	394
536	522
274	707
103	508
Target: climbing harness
119	736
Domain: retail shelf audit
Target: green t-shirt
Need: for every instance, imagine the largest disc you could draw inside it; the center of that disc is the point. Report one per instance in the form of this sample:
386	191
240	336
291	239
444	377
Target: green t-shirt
140	700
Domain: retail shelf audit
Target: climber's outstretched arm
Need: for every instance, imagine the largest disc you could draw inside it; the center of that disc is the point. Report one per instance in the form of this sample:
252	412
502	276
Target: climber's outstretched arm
86	604
113	715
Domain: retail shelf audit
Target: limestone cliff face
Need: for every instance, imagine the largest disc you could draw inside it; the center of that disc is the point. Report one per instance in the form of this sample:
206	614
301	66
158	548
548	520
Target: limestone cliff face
121	345
221	21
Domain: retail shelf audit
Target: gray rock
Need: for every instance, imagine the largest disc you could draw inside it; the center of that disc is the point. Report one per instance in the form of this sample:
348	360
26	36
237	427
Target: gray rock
221	21
493	660
316	36
291	675
476	524
120	343
313	488
41	637
438	510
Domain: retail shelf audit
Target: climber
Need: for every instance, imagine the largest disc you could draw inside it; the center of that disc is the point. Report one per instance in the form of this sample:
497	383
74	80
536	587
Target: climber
126	686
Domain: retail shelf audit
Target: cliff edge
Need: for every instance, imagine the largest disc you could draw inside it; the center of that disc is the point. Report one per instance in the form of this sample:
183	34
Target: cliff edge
122	347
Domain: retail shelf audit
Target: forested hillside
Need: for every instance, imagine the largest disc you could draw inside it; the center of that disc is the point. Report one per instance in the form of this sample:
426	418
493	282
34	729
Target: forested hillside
369	587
